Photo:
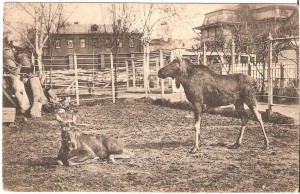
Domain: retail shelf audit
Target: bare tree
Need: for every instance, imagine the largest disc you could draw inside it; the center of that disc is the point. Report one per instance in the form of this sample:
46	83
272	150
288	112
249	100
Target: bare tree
45	18
120	19
152	17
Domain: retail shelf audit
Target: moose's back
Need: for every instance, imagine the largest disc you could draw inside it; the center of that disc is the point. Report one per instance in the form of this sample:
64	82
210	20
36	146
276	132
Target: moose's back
219	90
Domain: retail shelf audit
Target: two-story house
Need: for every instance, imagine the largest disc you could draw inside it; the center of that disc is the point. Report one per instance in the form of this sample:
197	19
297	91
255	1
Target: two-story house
221	22
84	39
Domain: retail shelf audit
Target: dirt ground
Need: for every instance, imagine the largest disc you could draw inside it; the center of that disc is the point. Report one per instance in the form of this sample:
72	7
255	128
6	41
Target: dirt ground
161	138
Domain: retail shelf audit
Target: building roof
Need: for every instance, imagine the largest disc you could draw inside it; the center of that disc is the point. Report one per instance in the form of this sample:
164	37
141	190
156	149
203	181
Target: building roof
211	19
255	6
86	29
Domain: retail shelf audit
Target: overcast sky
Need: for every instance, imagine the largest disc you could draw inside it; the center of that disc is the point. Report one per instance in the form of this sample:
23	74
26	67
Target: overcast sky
192	15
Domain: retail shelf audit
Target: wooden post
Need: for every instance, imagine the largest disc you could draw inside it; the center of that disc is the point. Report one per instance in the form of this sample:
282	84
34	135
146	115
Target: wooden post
156	71
145	71
232	56
133	70
93	74
112	78
76	79
204	54
281	88
269	74
127	74
162	84
32	61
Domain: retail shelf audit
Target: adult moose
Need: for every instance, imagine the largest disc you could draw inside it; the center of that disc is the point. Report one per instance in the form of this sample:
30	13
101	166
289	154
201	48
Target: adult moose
203	86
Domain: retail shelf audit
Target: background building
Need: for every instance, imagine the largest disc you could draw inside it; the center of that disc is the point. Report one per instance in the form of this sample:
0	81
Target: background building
88	39
222	22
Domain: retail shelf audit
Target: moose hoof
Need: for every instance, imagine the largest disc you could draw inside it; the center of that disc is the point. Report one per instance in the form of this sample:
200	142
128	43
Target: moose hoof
234	146
267	147
111	159
194	150
59	162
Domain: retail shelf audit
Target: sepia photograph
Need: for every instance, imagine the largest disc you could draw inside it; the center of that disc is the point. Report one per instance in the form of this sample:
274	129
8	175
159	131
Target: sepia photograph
150	97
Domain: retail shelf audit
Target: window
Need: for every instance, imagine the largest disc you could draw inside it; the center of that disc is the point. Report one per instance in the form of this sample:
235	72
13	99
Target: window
131	42
82	43
57	43
70	44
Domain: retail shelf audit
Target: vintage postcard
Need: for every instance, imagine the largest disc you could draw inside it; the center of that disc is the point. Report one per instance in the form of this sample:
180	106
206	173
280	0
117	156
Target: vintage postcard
150	97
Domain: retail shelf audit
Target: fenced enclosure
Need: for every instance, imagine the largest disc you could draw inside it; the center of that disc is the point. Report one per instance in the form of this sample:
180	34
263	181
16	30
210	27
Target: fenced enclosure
106	76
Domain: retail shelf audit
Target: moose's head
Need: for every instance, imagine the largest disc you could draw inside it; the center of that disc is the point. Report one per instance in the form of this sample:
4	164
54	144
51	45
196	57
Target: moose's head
69	132
172	70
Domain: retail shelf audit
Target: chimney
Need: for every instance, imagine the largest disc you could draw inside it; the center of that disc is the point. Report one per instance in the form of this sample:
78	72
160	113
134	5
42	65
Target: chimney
76	23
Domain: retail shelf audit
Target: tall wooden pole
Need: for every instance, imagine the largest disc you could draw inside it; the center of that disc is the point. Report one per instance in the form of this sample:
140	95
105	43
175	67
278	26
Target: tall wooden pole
112	78
156	71
204	54
133	70
269	74
32	61
232	57
145	70
127	74
76	79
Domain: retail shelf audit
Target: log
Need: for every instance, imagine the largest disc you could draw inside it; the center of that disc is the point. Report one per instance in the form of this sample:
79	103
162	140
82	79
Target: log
16	87
37	90
36	109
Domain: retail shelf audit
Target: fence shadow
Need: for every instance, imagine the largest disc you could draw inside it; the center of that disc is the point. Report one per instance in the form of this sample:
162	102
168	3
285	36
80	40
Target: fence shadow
46	162
161	145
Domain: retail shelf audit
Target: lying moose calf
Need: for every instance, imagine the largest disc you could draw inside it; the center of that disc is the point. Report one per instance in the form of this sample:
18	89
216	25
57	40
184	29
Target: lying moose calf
77	148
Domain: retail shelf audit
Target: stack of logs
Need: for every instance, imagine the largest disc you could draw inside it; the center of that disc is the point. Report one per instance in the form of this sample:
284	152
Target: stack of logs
28	96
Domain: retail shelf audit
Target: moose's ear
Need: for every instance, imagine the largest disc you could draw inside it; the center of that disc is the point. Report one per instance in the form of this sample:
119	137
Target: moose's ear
177	83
